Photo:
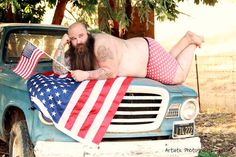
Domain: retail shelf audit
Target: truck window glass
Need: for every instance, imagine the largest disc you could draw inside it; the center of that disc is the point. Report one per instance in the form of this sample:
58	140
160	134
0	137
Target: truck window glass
44	40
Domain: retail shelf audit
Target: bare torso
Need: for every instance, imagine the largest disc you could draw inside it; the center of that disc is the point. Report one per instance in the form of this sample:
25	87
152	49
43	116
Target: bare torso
131	55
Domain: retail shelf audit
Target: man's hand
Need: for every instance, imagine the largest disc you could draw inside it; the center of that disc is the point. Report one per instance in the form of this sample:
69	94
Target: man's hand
59	57
79	75
65	40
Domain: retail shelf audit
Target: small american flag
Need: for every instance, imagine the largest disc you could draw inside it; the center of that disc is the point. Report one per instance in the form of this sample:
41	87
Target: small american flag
28	61
82	110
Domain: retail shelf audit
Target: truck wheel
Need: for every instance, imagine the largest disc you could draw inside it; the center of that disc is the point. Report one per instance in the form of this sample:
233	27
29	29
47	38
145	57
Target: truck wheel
20	144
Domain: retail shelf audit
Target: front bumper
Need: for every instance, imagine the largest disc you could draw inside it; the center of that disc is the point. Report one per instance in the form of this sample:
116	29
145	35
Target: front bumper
188	147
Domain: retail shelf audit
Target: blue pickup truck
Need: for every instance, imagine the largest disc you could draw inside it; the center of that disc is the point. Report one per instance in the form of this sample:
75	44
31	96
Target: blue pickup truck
153	119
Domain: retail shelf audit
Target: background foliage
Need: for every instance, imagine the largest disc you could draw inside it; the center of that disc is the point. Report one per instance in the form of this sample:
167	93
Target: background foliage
117	12
23	11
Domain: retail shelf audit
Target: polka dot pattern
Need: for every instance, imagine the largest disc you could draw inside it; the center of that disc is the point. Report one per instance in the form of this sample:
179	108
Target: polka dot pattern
161	65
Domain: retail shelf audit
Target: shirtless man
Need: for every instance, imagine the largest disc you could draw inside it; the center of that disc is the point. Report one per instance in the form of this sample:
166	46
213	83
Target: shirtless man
103	56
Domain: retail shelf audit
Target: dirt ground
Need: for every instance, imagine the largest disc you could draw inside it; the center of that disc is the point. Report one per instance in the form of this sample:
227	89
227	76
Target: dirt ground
217	132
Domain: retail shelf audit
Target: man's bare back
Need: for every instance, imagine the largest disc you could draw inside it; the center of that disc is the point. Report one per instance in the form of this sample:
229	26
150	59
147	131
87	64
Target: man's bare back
131	55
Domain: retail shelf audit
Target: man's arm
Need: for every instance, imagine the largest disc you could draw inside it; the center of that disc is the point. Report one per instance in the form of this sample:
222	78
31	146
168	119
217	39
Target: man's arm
108	66
60	57
101	73
107	61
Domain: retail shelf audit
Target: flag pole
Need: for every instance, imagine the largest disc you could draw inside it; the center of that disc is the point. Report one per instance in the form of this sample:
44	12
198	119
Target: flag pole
57	62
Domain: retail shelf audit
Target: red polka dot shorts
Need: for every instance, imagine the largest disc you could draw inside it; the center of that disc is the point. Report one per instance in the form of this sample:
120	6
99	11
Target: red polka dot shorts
161	66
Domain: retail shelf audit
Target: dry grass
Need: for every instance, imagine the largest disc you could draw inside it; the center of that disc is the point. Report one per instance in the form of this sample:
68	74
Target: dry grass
217	83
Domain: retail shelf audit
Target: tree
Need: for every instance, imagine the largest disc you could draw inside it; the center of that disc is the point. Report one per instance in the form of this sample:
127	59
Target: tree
23	11
116	16
59	12
83	7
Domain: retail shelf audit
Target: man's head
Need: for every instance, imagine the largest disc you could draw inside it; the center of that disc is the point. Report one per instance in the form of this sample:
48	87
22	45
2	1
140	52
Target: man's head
78	34
81	51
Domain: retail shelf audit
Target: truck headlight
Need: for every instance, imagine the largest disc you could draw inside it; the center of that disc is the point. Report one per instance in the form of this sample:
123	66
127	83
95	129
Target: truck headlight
189	110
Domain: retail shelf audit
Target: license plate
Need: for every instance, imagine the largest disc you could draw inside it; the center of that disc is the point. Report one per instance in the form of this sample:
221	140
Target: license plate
183	129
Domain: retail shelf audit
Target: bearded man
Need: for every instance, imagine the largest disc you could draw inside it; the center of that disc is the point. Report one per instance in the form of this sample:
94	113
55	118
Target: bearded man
103	56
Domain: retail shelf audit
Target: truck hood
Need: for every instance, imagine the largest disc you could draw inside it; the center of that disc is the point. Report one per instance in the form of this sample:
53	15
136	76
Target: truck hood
183	89
12	80
15	81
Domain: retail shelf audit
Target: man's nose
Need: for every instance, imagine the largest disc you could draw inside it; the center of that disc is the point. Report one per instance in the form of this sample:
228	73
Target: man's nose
79	41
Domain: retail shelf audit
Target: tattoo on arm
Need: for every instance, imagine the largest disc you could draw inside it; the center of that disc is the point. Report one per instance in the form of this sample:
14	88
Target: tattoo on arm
60	47
104	53
100	74
60	57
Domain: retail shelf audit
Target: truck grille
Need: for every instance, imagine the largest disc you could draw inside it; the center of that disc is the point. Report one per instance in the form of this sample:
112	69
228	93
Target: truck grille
142	109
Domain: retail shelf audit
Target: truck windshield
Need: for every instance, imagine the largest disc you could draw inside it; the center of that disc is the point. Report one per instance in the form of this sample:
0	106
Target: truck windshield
46	40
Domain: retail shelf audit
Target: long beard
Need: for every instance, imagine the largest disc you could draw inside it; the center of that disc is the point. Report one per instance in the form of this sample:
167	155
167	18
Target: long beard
82	56
81	49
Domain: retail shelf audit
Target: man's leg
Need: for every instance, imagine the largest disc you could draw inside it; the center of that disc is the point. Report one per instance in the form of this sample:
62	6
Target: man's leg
184	60
188	39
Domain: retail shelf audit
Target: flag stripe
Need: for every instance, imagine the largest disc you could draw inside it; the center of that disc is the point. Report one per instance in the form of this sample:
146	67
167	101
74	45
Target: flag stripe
21	64
110	114
105	108
32	64
88	106
26	66
96	108
33	58
30	68
76	110
73	101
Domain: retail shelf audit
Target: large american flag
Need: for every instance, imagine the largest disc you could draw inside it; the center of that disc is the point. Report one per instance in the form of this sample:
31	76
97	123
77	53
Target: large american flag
28	61
82	110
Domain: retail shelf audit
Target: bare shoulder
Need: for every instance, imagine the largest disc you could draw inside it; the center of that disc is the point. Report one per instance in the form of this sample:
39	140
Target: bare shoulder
101	37
103	40
104	47
108	45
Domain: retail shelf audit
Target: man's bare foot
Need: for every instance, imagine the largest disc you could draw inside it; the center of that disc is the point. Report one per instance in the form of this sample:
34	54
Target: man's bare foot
195	39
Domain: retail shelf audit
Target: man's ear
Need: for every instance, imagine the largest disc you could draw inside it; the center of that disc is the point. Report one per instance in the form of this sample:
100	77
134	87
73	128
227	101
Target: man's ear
69	43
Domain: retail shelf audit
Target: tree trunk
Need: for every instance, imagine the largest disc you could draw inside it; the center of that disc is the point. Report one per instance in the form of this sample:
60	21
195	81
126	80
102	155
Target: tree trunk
138	28
59	12
128	10
115	29
10	14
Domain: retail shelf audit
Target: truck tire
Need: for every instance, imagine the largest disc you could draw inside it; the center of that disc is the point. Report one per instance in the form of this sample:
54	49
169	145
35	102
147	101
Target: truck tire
20	144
